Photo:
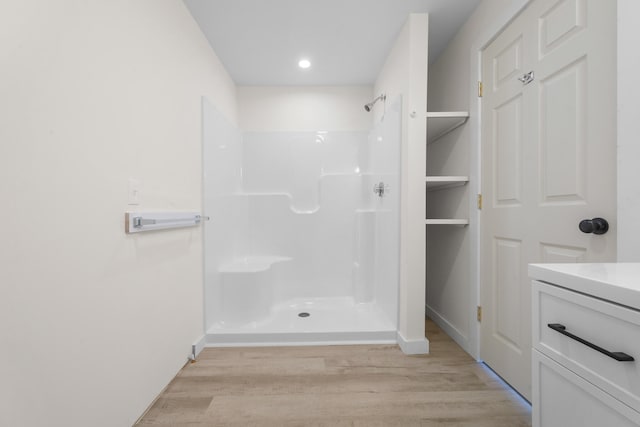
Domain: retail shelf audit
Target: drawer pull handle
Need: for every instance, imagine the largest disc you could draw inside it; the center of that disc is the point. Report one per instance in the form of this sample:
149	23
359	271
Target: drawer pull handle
617	355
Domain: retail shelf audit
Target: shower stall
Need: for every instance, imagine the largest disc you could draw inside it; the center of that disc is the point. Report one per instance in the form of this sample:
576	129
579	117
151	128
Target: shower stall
302	245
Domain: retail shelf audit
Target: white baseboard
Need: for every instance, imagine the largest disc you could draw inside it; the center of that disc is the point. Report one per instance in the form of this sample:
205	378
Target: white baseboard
197	347
299	338
419	346
461	339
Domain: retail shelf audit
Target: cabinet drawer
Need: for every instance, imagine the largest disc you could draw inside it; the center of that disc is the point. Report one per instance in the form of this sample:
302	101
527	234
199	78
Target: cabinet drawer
610	326
563	399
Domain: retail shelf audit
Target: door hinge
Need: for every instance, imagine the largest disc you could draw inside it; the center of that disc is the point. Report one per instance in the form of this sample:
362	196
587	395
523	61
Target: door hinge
479	201
480	89
479	314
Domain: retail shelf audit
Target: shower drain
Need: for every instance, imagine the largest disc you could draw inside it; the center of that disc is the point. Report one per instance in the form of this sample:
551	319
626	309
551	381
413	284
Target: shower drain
303	314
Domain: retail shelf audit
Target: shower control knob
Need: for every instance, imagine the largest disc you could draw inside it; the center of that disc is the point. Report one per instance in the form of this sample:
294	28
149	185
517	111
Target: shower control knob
380	189
595	226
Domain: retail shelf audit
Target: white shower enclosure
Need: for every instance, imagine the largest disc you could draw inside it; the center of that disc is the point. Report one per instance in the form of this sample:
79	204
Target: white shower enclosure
302	245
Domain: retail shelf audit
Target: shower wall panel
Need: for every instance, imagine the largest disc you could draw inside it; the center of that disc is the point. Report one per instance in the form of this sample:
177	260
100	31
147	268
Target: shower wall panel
304	190
384	155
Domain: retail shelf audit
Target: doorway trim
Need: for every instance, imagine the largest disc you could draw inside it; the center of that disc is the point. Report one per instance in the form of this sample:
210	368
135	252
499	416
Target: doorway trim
491	31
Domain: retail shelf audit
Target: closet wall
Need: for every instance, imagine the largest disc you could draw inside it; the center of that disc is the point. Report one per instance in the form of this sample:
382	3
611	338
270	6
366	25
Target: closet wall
405	74
628	148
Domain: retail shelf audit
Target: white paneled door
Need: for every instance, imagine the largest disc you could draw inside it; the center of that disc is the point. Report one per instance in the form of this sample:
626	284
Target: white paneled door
548	162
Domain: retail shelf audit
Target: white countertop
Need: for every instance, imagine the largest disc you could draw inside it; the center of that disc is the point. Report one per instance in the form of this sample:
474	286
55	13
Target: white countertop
616	282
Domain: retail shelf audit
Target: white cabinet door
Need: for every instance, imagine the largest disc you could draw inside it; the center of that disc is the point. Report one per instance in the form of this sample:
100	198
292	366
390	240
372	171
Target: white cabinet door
563	399
548	161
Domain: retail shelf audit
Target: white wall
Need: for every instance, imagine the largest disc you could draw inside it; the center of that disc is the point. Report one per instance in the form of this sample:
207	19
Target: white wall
93	322
452	275
304	108
628	144
405	73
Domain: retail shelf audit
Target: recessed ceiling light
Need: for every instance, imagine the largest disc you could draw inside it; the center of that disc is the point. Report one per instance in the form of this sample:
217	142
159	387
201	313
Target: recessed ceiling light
304	63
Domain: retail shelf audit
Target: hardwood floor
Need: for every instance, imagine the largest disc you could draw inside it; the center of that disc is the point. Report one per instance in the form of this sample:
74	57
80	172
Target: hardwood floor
356	386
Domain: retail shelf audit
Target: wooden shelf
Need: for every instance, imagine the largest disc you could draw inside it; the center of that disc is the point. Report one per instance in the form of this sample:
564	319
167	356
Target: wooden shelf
447	222
435	183
441	123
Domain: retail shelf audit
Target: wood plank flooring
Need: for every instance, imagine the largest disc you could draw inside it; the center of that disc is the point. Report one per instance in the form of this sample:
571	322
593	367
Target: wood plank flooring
336	386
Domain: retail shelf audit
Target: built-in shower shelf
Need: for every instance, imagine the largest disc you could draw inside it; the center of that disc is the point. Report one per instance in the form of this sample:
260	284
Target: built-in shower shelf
441	123
441	182
447	222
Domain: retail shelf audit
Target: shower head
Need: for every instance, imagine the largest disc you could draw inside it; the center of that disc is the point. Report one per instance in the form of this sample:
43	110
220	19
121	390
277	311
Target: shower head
368	106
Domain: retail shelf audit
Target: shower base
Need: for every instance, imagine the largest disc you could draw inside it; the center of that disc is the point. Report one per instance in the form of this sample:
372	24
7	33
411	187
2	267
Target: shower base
318	321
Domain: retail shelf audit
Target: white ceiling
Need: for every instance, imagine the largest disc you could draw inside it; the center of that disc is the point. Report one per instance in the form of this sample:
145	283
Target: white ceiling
260	41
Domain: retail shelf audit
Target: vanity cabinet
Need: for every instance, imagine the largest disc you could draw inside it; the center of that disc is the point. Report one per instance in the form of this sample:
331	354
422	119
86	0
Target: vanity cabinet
586	351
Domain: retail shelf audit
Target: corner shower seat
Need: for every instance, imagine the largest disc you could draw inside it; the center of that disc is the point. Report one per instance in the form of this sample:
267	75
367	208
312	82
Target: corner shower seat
248	287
